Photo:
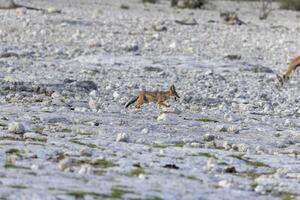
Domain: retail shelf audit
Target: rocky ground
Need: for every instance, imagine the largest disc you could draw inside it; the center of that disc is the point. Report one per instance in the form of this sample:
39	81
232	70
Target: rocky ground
67	72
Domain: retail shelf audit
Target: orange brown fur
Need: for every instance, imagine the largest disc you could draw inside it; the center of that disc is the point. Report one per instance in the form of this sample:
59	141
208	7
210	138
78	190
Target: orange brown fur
293	65
159	97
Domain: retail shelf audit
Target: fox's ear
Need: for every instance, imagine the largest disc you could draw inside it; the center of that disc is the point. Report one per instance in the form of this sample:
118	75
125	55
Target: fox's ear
172	88
280	79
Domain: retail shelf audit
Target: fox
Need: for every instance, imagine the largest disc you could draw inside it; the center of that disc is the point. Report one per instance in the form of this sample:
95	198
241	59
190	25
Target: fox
158	96
294	63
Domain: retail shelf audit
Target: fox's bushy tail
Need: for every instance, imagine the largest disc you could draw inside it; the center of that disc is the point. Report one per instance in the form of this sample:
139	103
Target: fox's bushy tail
131	101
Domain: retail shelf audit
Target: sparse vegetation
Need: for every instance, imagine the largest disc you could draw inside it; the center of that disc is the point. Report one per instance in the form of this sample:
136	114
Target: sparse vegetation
77	141
149	1
288	196
39	129
82	194
117	193
18	186
177	144
290	4
102	163
192	4
155	198
207	120
9	165
205	154
265	8
13	151
250	162
137	171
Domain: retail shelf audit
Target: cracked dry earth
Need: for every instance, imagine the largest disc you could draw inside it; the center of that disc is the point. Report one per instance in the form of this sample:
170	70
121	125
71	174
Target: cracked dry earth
65	78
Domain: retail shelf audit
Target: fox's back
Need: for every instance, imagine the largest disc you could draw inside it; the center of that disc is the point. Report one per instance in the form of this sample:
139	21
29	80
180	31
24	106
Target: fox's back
295	62
154	96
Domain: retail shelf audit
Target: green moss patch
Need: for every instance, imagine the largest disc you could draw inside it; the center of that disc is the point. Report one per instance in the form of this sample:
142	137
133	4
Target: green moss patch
137	172
102	163
250	162
208	120
205	154
77	141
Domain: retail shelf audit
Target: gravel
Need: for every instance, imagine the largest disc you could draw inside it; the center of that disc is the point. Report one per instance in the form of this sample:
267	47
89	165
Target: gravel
66	76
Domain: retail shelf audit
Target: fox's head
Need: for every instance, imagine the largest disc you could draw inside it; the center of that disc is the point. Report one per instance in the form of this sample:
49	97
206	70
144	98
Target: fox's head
172	92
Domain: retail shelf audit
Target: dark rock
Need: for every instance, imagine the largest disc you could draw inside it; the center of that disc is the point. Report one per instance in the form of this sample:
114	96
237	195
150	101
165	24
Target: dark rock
57	119
171	166
192	4
86	85
233	57
152	69
230	169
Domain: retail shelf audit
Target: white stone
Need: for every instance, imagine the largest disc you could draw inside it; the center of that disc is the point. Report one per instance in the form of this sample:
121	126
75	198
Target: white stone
225	184
243	147
116	95
92	104
173	45
16	127
85	169
80	109
122	137
64	164
208	137
171	110
145	130
168	118
86	152
34	136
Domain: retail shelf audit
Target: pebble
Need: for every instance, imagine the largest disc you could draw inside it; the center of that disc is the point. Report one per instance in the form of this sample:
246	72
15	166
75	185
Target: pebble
243	147
208	137
93	104
85	169
226	145
145	130
81	109
86	85
116	95
122	137
34	136
65	163
52	10
57	119
16	127
168	118
222	128
35	167
225	184
86	152
173	110
131	46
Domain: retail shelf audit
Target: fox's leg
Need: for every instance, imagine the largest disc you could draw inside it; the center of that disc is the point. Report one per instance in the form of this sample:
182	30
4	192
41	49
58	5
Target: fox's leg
161	103
139	101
